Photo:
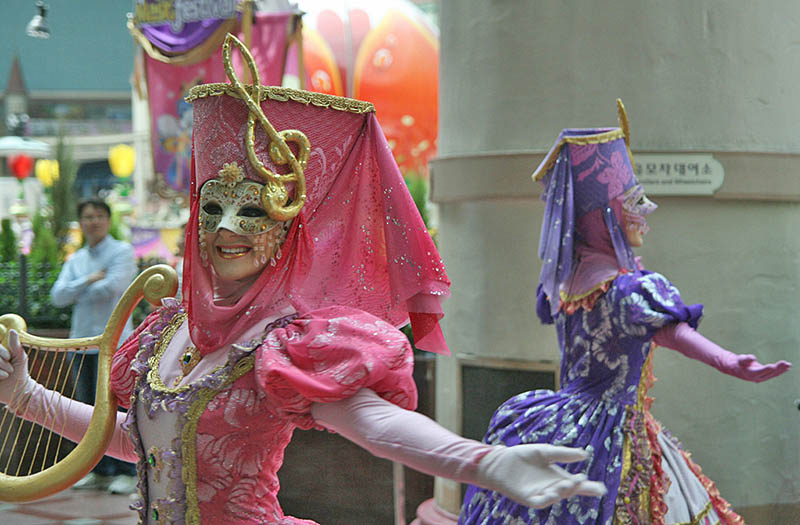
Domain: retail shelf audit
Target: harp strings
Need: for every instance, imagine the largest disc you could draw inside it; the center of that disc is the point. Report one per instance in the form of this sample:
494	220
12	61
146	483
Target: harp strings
33	445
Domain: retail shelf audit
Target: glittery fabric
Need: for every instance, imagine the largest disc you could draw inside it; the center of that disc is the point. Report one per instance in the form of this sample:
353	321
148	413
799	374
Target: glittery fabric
358	240
218	442
602	407
586	171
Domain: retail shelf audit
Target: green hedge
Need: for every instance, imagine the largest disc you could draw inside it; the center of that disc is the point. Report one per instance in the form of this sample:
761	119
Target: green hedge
37	311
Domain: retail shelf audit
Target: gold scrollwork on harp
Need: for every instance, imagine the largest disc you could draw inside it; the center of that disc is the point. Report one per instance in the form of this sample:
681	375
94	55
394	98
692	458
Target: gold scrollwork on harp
153	284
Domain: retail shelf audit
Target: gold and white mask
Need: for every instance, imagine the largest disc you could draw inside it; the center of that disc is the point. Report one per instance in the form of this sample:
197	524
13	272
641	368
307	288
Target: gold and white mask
636	206
233	203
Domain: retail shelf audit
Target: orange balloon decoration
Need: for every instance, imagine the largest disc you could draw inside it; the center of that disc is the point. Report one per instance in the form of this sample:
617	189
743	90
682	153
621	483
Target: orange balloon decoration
21	166
384	52
323	73
397	68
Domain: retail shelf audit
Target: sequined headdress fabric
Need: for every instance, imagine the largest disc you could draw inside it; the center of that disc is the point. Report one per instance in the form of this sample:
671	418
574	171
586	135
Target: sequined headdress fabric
354	236
586	176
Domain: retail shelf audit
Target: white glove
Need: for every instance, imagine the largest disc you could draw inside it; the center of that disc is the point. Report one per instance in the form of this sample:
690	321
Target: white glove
528	474
524	473
16	385
29	400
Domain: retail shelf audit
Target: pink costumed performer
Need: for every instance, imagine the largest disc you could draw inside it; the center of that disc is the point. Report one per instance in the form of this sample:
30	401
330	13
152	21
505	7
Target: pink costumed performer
304	253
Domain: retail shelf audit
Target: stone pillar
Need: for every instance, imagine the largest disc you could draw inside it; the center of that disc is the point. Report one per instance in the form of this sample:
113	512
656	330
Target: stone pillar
143	169
710	77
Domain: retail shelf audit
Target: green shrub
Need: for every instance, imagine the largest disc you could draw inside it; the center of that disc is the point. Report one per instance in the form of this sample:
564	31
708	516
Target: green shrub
418	187
9	287
45	245
40	310
62	195
8	242
37	311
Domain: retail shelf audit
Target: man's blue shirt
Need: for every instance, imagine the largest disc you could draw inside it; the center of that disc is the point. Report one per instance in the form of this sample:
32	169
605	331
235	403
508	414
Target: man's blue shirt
93	303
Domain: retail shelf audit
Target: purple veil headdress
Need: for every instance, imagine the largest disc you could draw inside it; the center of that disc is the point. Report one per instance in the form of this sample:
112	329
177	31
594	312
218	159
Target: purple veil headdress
585	170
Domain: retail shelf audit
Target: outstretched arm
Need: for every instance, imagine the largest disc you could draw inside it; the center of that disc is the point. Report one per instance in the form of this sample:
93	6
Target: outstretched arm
31	401
689	342
525	473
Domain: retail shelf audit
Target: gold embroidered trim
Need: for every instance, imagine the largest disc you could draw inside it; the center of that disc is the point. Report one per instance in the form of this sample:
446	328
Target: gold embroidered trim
153	377
188	360
697	519
646	381
577	297
599	138
189	435
722	507
626	458
155	462
641	488
283	94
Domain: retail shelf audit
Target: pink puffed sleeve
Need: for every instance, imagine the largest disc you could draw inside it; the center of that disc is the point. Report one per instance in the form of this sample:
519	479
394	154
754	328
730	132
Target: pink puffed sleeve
330	354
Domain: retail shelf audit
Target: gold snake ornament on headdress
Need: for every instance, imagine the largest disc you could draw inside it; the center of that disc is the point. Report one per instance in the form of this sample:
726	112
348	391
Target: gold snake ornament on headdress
274	195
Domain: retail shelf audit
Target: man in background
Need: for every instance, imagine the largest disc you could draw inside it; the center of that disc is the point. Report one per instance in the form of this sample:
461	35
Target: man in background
92	281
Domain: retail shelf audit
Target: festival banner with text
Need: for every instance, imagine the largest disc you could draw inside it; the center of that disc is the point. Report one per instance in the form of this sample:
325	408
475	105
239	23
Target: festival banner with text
178	27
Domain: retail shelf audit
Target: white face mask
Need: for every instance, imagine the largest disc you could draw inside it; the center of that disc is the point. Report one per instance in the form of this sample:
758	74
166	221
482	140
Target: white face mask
233	203
636	206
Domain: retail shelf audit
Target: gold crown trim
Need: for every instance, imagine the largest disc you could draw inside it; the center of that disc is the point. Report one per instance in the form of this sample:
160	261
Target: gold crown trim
284	94
598	138
622	117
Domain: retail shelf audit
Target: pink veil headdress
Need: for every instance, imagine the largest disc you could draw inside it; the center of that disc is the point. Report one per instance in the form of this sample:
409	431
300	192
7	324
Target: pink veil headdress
356	237
582	245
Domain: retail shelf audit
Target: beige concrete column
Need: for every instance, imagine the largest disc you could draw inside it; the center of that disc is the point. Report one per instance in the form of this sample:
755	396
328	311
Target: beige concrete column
696	76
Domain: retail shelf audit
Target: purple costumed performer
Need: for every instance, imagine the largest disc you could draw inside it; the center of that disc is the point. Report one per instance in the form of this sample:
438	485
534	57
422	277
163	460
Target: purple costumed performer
608	311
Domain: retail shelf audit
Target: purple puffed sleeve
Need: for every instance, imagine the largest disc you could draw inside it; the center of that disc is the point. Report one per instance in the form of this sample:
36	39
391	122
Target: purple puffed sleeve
647	301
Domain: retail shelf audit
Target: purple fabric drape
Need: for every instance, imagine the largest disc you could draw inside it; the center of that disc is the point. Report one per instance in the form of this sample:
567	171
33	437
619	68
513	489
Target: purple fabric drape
592	167
192	34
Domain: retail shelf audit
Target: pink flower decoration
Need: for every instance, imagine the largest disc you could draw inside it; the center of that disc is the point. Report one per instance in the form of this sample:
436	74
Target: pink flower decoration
579	153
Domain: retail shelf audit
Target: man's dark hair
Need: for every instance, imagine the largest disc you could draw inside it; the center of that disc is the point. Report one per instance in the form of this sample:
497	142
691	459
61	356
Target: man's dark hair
95	203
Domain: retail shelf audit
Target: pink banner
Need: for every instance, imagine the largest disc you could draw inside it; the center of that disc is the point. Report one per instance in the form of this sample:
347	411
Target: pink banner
268	47
168	84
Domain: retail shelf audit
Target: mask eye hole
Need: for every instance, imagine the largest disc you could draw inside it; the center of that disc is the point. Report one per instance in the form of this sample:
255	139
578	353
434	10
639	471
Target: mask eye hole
251	211
212	208
640	201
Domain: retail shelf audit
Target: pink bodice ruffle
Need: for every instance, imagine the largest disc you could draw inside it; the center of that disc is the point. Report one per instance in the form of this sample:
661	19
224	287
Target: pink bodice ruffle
250	407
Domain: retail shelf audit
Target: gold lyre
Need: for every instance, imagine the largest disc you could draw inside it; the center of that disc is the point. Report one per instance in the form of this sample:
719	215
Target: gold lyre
53	358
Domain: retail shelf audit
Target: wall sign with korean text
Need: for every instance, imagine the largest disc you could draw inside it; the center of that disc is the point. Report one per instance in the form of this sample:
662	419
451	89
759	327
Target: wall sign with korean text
679	173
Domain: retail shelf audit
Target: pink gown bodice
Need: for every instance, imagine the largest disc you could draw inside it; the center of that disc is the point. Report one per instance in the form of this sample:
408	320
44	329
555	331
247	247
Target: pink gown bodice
211	442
